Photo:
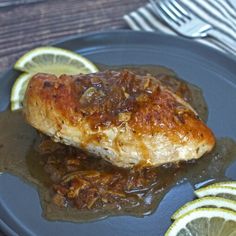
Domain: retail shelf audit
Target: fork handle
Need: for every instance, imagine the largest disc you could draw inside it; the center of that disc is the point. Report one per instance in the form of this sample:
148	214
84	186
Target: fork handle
228	42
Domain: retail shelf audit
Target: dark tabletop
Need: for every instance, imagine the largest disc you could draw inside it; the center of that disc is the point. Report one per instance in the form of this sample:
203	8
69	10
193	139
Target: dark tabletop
25	24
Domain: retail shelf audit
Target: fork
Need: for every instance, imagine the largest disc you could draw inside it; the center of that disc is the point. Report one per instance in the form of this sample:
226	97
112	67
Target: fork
180	19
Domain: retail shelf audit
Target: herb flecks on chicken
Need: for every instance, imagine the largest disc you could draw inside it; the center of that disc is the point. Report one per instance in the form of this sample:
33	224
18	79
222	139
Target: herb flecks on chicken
127	119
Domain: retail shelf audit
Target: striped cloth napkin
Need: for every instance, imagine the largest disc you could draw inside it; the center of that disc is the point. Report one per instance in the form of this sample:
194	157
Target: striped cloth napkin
221	14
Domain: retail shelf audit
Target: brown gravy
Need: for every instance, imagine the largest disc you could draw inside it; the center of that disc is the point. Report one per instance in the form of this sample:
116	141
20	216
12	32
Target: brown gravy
55	168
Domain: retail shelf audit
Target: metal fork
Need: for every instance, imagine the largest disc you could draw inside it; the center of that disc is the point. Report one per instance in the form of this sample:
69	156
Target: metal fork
189	25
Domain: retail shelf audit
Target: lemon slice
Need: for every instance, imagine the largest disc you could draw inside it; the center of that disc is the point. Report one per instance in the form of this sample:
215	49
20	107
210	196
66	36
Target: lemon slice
54	60
205	202
51	60
204	222
226	183
18	91
216	190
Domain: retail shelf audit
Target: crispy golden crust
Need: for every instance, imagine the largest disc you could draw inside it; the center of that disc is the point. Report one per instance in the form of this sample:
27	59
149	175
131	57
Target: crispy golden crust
114	99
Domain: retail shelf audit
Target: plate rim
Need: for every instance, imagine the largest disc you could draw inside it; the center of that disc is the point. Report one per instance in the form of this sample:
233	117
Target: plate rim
6	226
146	33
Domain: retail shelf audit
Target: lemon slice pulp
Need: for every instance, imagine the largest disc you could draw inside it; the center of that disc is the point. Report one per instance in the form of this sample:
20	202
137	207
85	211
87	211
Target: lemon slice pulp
213	214
18	91
204	222
54	60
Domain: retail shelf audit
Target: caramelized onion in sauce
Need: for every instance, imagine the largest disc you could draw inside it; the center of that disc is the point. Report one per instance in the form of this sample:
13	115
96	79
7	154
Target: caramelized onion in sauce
76	187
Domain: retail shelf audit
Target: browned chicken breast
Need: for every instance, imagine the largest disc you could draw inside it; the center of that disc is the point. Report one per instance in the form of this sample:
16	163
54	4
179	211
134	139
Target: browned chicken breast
125	118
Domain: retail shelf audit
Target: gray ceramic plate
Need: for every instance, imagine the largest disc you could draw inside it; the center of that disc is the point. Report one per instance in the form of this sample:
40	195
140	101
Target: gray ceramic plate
214	72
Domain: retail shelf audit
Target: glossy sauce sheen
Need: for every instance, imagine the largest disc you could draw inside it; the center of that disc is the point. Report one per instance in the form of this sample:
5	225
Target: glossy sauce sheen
78	188
115	113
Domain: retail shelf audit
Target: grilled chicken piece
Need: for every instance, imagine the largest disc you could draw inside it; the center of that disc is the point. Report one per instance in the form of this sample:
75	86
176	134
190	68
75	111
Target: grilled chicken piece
125	118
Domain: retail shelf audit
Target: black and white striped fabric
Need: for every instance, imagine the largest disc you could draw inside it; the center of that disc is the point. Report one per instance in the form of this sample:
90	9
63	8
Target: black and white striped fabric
221	14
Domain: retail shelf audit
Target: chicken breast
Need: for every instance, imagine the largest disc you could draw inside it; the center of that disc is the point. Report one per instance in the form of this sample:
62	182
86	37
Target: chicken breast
128	119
